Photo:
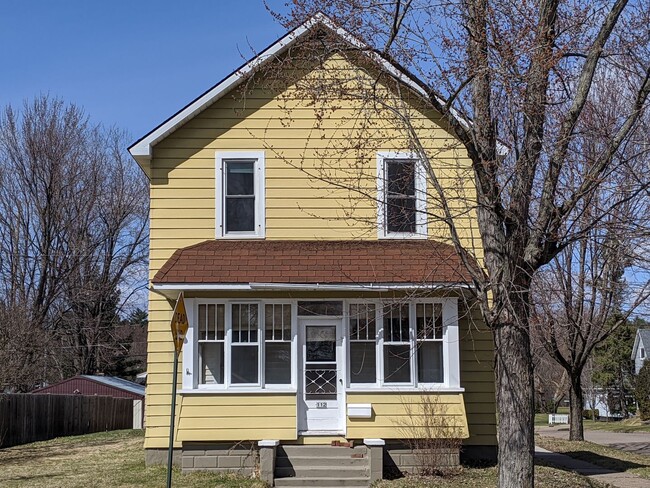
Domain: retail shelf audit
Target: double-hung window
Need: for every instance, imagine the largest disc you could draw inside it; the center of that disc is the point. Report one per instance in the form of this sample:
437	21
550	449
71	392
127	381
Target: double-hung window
240	194
397	344
211	332
277	344
401	191
245	347
428	321
363	340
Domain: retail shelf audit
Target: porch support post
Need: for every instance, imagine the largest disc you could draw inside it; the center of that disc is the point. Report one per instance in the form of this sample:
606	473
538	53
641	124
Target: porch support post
376	458
267	460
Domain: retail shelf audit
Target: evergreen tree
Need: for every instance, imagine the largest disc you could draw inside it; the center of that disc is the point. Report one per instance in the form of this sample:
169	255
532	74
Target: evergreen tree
642	391
613	368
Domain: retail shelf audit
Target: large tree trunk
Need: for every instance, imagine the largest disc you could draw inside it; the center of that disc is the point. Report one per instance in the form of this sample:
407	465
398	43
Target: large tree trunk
515	394
576	404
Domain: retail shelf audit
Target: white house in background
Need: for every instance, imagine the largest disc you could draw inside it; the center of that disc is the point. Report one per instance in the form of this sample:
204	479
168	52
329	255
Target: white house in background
640	349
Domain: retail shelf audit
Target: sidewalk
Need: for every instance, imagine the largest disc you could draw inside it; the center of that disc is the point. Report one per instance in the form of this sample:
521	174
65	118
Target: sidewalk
596	473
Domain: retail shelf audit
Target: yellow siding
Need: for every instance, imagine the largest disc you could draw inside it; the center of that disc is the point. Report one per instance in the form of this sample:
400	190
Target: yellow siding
201	417
477	376
409	415
299	205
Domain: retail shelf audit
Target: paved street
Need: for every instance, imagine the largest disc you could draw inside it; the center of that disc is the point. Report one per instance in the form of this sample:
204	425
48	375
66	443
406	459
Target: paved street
637	442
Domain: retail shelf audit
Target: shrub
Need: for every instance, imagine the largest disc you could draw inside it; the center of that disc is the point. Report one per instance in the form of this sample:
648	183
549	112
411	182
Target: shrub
642	391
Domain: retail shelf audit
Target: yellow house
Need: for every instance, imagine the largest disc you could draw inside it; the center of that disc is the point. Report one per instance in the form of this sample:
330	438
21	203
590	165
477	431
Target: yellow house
332	329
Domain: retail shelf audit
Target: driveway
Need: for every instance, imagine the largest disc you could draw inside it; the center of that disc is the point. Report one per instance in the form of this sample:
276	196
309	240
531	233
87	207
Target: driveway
637	442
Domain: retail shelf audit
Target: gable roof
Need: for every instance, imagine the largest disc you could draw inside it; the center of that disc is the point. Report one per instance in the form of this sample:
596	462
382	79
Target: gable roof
141	150
642	338
119	383
109	381
218	264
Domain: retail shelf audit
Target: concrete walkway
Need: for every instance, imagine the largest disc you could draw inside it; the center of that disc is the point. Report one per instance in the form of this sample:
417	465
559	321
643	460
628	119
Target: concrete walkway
636	442
596	473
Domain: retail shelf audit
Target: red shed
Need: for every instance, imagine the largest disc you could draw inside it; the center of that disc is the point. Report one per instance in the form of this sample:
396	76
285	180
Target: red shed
101	386
95	385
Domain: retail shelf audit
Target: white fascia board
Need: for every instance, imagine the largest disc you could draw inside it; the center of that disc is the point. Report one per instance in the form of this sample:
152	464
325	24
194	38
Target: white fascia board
635	346
302	286
142	149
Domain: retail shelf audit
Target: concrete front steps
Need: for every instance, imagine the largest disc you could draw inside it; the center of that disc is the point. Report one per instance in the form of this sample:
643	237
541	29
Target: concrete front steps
321	466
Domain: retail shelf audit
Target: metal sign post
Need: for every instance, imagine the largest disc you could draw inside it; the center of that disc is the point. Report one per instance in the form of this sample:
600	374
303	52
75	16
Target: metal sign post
179	325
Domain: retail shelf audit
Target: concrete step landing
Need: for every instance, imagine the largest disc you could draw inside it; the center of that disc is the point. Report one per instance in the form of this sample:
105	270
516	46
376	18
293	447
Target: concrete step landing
321	466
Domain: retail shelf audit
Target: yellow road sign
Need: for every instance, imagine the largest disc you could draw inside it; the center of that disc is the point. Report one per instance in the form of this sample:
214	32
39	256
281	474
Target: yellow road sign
179	323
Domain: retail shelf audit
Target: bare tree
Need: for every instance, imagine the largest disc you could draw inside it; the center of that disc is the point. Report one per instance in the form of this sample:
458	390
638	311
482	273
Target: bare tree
511	82
579	300
73	213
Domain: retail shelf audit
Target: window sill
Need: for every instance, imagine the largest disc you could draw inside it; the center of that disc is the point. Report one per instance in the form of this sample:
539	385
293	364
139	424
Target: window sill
235	391
239	236
406	389
383	235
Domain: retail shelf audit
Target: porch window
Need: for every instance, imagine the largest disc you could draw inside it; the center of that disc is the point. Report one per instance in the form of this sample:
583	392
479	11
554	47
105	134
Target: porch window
245	350
428	319
211	324
403	345
277	344
363	340
242	344
397	344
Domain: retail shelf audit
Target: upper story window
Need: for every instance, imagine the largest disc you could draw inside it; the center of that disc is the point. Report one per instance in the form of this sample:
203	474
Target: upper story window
401	191
240	194
642	353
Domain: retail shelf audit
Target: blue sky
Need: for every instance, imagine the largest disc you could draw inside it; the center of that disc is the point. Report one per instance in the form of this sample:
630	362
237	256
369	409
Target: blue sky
128	63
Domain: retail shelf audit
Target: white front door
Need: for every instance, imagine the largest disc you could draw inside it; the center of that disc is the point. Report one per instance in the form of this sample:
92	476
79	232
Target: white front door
322	379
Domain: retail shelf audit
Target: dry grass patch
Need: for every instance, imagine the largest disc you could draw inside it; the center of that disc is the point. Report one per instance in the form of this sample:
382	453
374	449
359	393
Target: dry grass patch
107	459
545	477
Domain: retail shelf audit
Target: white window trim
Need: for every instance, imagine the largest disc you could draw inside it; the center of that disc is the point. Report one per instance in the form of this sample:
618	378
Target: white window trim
421	230
451	355
260	199
450	349
191	372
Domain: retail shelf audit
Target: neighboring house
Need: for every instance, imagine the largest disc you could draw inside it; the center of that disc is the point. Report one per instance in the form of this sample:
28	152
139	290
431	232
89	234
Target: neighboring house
313	319
640	349
101	386
597	399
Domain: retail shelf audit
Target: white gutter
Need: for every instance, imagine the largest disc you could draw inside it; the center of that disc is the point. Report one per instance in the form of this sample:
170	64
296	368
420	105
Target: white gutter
302	286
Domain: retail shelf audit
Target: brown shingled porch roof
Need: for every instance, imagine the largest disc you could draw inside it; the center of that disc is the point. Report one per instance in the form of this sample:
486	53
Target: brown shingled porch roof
311	262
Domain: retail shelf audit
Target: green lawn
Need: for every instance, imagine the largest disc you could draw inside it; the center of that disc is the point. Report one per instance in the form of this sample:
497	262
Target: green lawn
627	425
116	459
606	457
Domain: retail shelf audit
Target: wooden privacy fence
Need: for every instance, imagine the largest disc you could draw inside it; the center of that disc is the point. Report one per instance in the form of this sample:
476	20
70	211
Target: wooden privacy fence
28	418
